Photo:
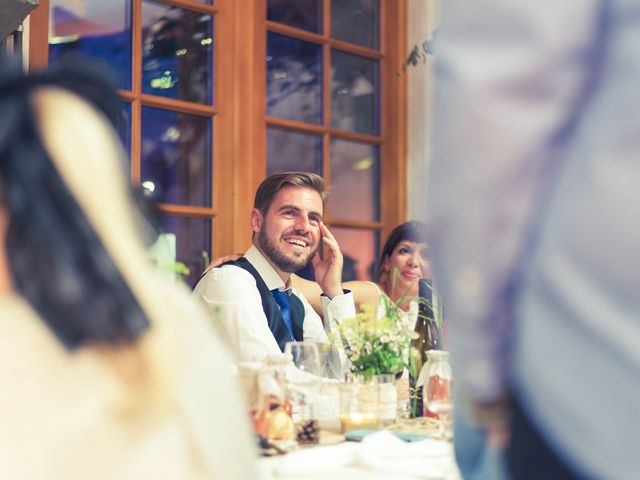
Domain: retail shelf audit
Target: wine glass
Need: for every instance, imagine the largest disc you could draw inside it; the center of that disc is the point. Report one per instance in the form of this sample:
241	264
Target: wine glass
304	381
437	390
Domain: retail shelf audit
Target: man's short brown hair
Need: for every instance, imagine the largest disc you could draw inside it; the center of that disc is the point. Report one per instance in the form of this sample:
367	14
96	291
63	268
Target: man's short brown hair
271	185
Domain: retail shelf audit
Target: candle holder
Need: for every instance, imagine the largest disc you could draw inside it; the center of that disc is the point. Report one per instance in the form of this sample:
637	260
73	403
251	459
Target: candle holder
359	407
387	398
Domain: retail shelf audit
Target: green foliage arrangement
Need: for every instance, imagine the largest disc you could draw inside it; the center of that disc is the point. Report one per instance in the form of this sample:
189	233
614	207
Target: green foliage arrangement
377	340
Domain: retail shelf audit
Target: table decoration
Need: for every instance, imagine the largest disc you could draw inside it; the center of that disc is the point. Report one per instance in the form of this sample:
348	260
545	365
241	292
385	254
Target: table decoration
437	393
377	342
359	404
429	330
267	395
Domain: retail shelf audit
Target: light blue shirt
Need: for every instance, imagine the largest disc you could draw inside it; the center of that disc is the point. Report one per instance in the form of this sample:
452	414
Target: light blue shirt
534	202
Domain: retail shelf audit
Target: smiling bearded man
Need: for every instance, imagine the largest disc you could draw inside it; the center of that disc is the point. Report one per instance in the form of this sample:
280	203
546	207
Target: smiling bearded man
295	258
256	310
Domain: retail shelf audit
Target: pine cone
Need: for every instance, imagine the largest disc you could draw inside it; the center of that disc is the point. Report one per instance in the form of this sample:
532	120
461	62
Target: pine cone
308	431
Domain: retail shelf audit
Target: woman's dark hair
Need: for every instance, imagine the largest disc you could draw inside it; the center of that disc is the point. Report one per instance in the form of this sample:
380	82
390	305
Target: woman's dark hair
412	231
57	261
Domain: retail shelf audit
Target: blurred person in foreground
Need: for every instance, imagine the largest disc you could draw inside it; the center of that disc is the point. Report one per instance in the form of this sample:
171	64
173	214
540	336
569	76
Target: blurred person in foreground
535	204
108	370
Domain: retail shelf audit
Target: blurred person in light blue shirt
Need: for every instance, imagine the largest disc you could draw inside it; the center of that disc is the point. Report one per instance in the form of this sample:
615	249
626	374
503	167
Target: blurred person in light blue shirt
534	202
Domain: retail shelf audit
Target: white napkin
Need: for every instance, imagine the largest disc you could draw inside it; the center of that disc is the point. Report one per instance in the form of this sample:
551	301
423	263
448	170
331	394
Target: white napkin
380	455
383	452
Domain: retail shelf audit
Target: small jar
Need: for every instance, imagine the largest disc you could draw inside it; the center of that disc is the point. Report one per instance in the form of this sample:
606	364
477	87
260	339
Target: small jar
272	417
387	398
359	404
436	376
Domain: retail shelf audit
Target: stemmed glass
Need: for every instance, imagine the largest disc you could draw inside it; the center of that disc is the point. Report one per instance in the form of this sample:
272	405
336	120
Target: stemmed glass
437	390
305	381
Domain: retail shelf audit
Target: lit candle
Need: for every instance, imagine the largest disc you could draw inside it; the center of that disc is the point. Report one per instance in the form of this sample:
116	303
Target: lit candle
357	420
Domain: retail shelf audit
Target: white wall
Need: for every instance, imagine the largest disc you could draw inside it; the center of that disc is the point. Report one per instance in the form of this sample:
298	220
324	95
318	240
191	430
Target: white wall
423	16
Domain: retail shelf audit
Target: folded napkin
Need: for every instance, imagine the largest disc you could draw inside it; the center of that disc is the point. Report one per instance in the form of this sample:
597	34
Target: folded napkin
380	455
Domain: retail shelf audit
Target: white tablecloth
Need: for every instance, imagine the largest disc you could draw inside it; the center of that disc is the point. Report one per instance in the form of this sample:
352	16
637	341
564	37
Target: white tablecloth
379	456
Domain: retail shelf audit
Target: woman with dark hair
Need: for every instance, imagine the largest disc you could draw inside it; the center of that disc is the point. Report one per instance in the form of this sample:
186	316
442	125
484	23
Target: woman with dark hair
404	275
108	371
403	262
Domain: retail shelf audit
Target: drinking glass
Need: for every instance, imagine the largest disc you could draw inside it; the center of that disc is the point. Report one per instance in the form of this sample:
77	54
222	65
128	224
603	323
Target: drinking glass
305	380
437	390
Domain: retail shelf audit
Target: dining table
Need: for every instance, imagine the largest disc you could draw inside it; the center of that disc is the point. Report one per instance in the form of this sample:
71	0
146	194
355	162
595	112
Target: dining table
378	454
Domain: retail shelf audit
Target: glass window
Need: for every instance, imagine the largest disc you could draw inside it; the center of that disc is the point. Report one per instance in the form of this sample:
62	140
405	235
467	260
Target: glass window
356	21
176	157
304	14
360	251
95	28
355	181
290	151
124	128
168	123
177	57
193	241
354	93
294	79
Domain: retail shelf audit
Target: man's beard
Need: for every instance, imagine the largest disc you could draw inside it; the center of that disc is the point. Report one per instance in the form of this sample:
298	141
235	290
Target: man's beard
284	263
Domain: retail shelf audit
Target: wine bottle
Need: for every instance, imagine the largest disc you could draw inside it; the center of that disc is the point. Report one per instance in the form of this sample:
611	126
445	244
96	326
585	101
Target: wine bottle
428	338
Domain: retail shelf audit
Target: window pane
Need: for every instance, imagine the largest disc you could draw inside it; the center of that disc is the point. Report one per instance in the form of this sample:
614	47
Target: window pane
193	243
292	151
360	250
304	14
176	157
95	28
354	93
177	53
294	79
355	181
356	21
124	128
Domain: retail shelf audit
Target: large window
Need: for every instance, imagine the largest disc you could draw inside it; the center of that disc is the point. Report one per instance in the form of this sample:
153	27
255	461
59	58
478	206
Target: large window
217	94
163	56
323	111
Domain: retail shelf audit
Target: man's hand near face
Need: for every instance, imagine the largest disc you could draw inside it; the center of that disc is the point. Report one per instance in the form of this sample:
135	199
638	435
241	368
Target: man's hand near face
328	272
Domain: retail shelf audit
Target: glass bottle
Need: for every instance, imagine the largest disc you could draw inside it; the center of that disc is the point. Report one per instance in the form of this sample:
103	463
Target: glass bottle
429	338
437	388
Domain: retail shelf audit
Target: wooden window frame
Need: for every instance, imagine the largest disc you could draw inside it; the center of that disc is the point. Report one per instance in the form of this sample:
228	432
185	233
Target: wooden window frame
392	139
239	115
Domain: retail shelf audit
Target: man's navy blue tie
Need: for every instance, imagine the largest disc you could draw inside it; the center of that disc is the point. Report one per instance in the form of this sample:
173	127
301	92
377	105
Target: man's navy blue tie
282	298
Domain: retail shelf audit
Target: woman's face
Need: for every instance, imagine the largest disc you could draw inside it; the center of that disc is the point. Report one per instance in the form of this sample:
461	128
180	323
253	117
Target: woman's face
412	262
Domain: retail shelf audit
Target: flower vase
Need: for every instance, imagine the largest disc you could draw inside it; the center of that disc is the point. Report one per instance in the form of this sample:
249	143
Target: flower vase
387	397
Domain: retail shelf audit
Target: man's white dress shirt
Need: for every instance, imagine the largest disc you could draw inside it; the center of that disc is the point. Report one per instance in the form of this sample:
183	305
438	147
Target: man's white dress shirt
231	295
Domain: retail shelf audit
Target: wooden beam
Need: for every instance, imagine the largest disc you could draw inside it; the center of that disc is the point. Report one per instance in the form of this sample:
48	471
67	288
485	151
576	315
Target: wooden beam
38	40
